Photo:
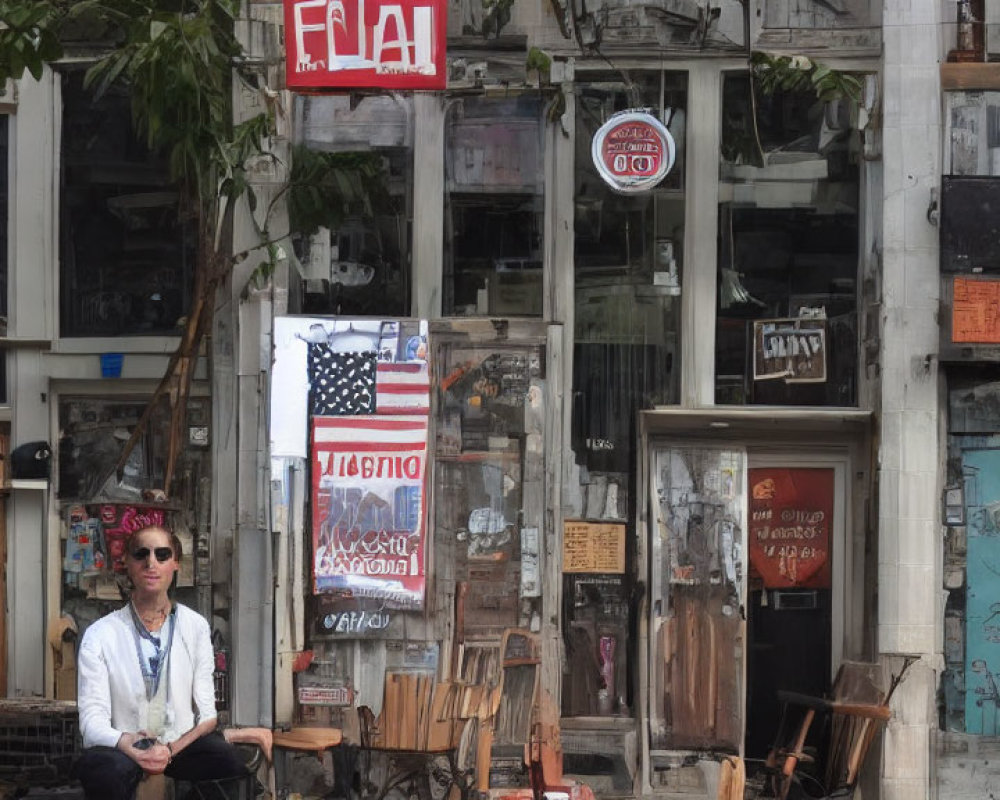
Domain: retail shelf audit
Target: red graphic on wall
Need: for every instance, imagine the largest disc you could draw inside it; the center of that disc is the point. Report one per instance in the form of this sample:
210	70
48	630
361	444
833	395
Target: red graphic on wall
387	44
119	522
791	511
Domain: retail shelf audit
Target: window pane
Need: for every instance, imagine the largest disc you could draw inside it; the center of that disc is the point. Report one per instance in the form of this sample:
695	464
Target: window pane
126	257
627	255
4	210
92	433
352	239
493	207
788	250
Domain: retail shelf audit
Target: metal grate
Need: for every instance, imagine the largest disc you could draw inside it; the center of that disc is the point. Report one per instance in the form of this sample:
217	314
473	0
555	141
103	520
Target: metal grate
38	736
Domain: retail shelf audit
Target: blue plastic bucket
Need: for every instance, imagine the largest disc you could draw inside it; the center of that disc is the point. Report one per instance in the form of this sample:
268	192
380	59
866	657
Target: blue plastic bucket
111	365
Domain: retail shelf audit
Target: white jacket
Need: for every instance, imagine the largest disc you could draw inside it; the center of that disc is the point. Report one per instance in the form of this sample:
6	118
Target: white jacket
111	694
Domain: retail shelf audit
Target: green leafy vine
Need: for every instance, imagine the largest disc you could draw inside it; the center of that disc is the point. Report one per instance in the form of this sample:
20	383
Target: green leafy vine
799	73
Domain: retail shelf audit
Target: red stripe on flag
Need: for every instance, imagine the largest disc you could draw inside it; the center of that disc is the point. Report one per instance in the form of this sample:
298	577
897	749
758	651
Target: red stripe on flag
369	447
369	422
401	388
401	367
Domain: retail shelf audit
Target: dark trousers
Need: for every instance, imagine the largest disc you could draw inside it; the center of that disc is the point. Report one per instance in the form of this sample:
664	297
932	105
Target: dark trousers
109	774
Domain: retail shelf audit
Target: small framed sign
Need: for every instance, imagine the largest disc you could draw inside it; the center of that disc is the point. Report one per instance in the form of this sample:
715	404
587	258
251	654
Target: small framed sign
954	505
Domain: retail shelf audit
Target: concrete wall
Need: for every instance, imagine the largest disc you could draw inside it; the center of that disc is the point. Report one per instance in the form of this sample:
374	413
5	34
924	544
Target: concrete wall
966	767
909	575
40	368
33	256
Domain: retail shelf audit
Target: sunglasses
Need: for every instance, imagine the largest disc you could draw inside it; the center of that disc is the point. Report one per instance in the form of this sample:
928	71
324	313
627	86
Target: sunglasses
163	554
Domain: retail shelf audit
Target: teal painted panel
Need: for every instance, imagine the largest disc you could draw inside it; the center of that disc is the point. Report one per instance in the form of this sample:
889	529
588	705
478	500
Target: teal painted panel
981	469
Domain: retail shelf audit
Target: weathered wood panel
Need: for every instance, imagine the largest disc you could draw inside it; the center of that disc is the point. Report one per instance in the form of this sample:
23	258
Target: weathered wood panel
697	589
964	77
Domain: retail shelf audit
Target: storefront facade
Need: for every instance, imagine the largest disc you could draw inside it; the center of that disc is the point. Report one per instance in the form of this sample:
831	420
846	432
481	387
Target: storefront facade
687	443
599	366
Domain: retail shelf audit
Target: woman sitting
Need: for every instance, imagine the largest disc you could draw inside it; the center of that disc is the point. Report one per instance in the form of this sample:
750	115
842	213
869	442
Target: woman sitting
145	692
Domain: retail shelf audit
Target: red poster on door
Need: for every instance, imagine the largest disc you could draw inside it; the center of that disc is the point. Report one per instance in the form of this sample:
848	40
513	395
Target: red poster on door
791	511
362	44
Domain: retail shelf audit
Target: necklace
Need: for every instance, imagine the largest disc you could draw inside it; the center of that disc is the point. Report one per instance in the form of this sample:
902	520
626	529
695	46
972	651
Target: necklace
153	667
154	618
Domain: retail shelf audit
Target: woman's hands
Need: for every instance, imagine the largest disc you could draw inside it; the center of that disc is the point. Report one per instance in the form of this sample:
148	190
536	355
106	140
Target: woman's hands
153	758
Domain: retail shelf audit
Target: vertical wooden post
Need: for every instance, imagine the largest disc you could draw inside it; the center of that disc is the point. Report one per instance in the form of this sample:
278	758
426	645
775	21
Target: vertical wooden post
4	479
3	589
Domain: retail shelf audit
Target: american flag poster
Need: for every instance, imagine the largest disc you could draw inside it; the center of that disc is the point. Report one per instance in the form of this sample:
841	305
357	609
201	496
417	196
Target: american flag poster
369	406
368	507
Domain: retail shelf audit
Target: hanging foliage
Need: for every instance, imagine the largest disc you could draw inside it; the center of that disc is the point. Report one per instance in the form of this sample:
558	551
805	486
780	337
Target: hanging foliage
325	188
798	73
29	38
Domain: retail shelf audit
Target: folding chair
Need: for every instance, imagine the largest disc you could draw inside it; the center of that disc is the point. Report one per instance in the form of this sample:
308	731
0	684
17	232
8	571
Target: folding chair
856	712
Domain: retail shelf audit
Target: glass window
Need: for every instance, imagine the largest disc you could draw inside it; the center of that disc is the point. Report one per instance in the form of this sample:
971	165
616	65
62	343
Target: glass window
628	268
493	206
787	322
4	208
92	433
628	262
126	254
351	226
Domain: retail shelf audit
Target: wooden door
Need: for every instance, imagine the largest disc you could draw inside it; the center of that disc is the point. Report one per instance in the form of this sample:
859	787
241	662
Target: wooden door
697	585
981	469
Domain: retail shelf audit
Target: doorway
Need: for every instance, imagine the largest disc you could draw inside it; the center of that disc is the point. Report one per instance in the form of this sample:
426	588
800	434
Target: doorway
796	538
981	477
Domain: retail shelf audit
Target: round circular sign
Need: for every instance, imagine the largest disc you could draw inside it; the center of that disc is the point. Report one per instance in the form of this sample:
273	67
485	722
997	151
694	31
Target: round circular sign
633	151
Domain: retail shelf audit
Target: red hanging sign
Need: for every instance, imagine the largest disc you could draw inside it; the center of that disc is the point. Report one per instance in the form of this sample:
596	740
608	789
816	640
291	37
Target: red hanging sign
790	517
362	44
633	151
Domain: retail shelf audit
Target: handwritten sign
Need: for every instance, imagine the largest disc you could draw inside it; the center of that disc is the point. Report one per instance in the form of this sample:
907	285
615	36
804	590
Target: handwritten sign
790	516
355	622
793	349
975	315
358	44
593	547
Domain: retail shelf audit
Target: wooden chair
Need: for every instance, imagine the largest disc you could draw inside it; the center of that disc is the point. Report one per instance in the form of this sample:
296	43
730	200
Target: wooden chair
858	708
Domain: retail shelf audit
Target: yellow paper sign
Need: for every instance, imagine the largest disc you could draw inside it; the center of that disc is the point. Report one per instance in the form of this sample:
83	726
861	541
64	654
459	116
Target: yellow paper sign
593	547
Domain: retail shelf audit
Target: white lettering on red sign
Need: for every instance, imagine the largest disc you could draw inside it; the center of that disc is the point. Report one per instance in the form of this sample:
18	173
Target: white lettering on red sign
349	43
633	151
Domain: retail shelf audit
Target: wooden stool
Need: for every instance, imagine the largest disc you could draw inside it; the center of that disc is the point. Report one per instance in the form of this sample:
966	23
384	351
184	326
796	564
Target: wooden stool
309	740
152	787
314	740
